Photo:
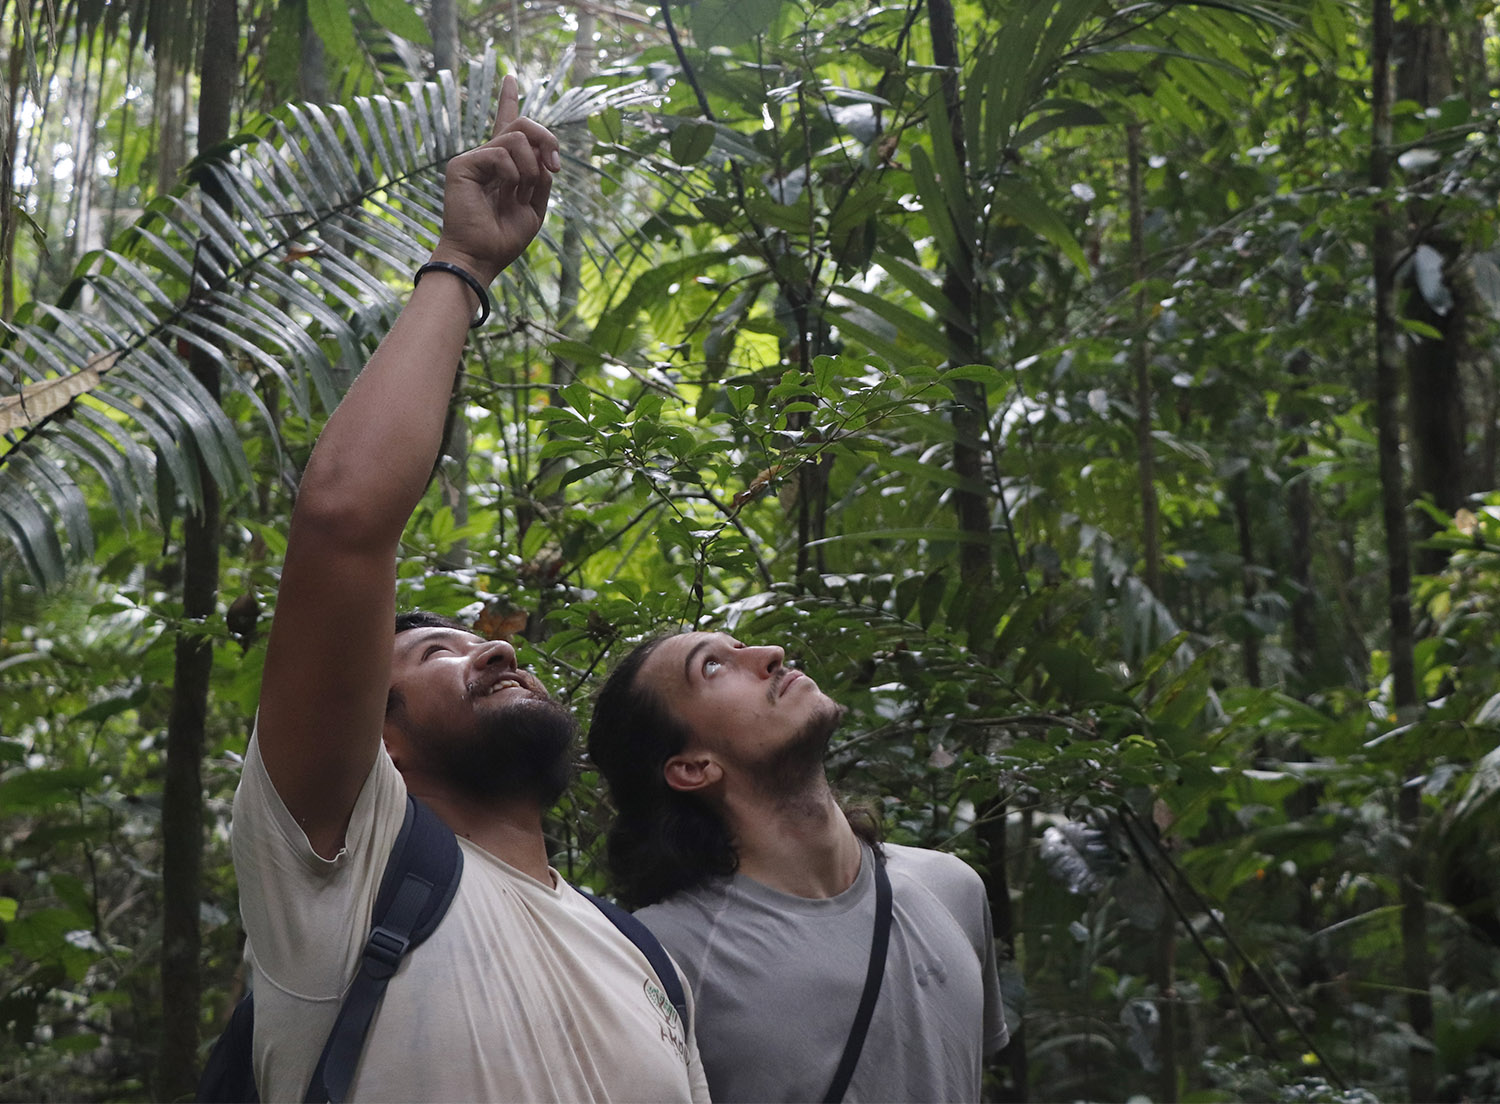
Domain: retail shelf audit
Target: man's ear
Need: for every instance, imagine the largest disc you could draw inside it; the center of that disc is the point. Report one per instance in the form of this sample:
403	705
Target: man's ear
395	745
689	773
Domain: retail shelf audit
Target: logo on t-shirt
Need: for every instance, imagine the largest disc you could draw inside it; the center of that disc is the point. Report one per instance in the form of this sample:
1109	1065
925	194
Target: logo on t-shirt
672	1032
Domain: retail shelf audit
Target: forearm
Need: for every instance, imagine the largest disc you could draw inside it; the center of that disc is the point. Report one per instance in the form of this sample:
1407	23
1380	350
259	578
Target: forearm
373	460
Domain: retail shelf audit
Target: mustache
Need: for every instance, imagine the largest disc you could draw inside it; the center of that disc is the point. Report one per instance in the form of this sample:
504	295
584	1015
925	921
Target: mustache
486	682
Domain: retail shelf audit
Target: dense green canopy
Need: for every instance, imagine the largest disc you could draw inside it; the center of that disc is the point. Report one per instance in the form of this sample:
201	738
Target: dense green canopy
1098	397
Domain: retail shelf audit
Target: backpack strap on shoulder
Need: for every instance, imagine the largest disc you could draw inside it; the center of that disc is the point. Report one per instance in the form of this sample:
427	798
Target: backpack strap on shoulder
420	879
637	932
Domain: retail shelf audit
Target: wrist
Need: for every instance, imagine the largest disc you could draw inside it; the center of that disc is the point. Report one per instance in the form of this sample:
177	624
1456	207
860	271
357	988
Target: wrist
474	288
483	271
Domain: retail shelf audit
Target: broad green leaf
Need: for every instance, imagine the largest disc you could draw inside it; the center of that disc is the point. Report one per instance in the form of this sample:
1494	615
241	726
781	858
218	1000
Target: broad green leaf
399	18
1074	678
691	140
935	207
1018	200
42	789
909	325
731	22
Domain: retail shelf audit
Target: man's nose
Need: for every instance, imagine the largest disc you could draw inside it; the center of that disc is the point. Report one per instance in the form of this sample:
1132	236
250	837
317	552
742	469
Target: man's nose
495	653
769	658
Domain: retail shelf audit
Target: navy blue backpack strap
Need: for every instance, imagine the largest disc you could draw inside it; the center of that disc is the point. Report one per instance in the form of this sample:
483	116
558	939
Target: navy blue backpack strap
879	943
420	879
637	932
229	1075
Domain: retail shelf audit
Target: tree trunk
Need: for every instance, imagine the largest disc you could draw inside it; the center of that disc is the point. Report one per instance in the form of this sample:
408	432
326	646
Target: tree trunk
312	66
1435	393
1163	959
182	791
1239	493
15	56
171	109
970	413
1299	508
1140	359
442	24
976	560
1416	969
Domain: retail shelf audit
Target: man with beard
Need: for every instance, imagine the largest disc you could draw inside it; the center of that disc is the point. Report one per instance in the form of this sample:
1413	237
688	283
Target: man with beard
769	896
525	991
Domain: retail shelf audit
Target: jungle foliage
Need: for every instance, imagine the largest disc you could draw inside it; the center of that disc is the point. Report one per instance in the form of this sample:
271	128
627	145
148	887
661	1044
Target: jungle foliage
1036	371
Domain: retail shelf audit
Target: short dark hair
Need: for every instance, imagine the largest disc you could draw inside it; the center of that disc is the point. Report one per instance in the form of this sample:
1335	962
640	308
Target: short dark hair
662	840
421	619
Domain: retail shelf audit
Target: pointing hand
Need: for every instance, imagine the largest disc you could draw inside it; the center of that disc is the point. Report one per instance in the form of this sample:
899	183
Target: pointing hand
495	196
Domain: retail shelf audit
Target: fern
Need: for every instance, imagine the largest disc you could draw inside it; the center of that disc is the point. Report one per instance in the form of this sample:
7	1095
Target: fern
269	260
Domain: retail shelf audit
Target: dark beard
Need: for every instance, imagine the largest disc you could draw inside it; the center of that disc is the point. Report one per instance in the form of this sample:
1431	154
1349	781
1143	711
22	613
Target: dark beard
523	751
797	768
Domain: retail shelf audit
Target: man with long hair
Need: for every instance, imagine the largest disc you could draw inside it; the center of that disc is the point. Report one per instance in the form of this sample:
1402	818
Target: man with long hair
734	847
524	991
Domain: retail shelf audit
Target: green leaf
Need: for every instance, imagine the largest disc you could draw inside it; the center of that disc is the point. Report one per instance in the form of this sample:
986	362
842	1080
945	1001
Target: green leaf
331	19
986	374
906	323
691	141
579	353
1007	68
400	18
935	207
1020	201
930	600
1073	678
731	22
903	534
1421	329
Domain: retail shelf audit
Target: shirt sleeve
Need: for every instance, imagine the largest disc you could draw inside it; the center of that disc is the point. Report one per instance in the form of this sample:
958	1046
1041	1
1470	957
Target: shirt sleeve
996	1030
306	917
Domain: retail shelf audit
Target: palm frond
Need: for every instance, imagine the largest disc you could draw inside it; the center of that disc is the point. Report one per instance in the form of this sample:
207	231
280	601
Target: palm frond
272	261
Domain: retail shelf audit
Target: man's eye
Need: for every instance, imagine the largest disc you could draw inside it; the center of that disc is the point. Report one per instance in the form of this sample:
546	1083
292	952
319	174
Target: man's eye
432	651
710	666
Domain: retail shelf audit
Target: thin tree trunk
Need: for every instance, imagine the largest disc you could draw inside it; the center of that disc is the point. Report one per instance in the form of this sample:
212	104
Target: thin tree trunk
1164	952
976	559
7	176
170	138
1423	70
970	413
1416	969
1140	358
442	24
569	284
182	790
1239	491
312	66
1299	509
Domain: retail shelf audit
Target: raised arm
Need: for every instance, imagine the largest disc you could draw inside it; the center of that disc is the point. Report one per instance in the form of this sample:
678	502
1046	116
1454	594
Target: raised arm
328	664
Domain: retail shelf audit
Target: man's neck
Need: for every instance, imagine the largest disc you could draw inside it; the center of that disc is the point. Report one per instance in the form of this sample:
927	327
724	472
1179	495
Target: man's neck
509	830
802	846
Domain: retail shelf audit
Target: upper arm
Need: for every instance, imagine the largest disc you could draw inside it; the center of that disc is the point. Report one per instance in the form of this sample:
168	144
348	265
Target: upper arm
327	675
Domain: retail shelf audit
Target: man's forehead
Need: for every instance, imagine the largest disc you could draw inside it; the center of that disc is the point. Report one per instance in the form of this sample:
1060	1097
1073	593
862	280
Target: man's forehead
672	660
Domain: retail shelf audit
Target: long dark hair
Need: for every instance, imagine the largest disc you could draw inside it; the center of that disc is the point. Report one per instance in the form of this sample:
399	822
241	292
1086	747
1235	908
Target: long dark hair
662	840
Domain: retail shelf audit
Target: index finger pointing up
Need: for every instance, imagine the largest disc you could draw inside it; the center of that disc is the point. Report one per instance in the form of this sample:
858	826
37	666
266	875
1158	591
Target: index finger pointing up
510	105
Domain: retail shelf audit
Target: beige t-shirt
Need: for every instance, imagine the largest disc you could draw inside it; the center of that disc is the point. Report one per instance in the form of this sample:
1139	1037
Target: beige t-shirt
524	992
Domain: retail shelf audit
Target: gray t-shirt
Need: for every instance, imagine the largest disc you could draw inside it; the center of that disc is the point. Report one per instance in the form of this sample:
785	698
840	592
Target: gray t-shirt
778	979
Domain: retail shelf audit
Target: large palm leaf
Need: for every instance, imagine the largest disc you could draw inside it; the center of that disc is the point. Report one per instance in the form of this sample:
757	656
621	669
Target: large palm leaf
281	274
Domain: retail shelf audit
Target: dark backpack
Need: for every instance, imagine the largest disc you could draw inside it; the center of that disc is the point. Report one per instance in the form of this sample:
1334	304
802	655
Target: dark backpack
420	879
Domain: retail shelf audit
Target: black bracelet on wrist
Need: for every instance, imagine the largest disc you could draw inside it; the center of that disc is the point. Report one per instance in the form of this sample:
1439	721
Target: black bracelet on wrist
478	289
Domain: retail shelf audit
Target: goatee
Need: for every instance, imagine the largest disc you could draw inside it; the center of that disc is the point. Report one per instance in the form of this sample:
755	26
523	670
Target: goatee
797	767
